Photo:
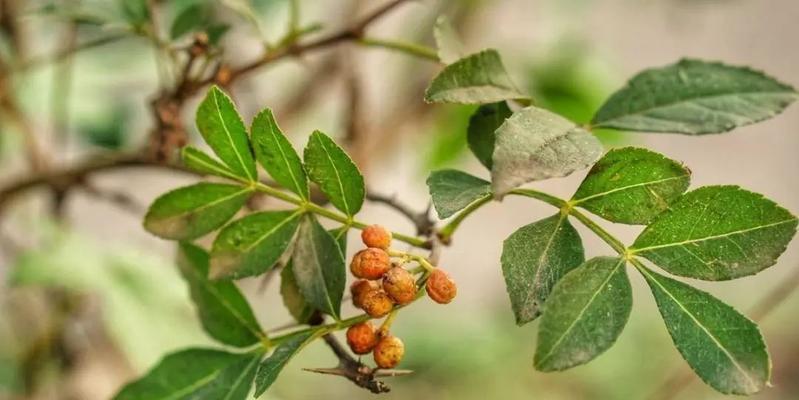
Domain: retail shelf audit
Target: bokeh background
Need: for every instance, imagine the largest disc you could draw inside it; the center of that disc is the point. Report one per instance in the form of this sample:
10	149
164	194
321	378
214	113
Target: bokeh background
89	300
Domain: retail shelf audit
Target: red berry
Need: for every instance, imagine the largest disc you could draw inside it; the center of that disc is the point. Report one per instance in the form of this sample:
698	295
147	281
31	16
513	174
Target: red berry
376	236
362	338
440	287
376	303
359	288
400	285
388	352
370	263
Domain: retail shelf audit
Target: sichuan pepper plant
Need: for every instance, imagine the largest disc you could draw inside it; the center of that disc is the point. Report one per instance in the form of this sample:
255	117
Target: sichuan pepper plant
711	233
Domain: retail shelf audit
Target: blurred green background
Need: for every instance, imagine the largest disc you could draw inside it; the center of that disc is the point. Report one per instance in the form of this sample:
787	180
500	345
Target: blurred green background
89	300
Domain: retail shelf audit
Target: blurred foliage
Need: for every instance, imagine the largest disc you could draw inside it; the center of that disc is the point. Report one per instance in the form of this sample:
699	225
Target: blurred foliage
110	130
448	135
137	291
572	82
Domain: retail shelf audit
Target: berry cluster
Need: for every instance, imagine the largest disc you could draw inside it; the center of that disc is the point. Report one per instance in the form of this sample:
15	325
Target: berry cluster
382	285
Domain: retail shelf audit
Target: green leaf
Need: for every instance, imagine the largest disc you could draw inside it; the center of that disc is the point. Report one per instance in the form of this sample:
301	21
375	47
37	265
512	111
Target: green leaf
694	97
290	291
535	144
335	173
476	79
252	245
482	127
275	153
222	128
450	48
319	267
584	315
223	310
722	346
189	19
271	367
632	185
197	374
196	160
453	190
292	297
717	233
192	211
534	259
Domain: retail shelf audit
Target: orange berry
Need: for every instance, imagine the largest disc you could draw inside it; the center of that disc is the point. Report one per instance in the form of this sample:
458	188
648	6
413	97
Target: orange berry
370	263
440	287
400	285
359	288
376	303
376	236
388	352
362	338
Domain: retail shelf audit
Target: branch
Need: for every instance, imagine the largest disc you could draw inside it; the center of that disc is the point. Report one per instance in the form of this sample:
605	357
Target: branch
420	219
353	33
360	374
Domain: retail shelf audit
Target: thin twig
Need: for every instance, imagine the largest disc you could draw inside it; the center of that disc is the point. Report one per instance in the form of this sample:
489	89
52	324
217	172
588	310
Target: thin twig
420	219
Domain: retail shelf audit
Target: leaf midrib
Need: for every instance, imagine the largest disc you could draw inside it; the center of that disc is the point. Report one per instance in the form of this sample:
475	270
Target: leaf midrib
580	314
230	137
214	167
608	192
257	333
651	278
274	229
338	176
537	277
320	270
713	237
194	386
241	376
207	205
689	100
272	130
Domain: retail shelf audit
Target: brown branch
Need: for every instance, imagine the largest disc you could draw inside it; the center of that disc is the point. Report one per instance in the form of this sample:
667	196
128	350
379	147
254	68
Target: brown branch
420	219
352	33
358	373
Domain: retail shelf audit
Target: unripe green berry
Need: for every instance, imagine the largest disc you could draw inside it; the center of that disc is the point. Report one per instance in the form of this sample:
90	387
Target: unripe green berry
440	287
376	236
370	263
400	285
376	303
359	288
388	352
362	338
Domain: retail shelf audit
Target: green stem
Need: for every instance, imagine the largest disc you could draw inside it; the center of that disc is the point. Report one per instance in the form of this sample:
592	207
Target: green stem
567	207
616	244
447	231
409	256
413	49
330	214
546	198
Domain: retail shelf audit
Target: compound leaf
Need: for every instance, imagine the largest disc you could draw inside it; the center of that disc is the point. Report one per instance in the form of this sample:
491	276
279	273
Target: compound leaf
275	153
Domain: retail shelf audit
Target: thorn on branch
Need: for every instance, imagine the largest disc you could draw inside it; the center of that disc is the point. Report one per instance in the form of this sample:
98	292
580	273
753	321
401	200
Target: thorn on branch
358	373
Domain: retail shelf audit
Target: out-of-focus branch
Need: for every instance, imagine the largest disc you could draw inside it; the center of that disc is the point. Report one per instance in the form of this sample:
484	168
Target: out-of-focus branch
38	61
420	219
